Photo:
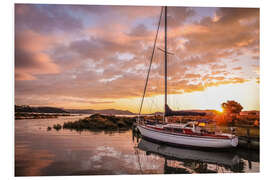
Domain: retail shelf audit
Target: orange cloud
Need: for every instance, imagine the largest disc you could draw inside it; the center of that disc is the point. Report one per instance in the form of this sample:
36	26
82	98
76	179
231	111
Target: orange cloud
192	76
106	49
237	68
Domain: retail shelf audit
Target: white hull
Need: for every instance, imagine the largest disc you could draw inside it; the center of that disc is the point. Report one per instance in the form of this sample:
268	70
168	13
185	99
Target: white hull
186	140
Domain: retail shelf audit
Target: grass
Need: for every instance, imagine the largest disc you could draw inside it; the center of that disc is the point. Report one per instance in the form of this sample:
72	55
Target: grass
254	132
98	122
27	115
57	127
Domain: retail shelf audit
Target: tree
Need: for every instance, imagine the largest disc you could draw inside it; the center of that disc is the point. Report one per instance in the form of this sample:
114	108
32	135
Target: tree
231	108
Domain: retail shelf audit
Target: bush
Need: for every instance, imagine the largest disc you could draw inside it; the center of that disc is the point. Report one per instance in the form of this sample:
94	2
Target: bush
57	127
98	122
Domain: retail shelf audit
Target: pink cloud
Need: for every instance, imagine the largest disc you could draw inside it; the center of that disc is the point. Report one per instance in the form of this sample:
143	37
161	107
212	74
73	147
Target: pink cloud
30	58
72	62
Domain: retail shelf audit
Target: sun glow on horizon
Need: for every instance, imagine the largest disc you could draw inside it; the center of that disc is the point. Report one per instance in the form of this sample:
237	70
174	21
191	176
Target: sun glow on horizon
220	110
247	94
79	65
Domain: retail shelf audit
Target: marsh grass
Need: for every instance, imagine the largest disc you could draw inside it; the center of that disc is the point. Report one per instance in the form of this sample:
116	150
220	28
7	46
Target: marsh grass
57	127
27	115
98	122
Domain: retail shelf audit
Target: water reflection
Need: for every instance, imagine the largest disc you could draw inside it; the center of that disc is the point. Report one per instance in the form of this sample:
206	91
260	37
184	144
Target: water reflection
183	160
41	152
179	160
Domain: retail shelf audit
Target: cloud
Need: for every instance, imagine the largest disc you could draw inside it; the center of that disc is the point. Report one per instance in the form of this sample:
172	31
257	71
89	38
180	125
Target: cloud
24	76
234	80
30	59
219	72
123	12
192	75
218	66
178	15
226	36
256	57
45	18
78	51
140	31
237	68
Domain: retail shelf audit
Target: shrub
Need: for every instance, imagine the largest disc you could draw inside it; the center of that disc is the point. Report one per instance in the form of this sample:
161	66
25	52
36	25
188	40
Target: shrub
57	127
98	122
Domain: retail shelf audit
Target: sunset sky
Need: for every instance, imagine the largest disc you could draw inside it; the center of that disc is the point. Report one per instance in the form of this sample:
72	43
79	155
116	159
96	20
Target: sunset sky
96	57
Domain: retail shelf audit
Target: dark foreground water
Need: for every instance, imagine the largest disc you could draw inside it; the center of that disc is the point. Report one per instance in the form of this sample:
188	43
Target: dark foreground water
39	152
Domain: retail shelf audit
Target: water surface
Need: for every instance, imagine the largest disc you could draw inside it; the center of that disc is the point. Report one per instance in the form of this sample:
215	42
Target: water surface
39	152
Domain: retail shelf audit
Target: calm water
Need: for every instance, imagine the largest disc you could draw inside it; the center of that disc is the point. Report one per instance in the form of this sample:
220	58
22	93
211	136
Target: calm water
39	152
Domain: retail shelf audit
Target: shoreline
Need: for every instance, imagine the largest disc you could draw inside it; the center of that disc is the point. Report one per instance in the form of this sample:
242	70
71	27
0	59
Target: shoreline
27	115
98	122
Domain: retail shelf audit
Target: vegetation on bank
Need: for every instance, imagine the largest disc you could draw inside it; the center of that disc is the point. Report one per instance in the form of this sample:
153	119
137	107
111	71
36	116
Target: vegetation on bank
29	112
98	122
26	115
57	127
246	123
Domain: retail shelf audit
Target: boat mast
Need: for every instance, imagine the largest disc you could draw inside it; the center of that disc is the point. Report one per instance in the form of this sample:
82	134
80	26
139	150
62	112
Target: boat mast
165	64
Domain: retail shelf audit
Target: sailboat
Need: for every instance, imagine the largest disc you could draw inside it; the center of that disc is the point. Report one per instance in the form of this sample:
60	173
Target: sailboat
189	134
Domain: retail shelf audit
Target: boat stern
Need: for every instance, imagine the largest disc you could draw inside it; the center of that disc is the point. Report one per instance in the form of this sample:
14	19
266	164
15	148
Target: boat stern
234	141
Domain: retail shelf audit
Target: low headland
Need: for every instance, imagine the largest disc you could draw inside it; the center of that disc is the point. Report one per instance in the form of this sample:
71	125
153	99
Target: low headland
32	112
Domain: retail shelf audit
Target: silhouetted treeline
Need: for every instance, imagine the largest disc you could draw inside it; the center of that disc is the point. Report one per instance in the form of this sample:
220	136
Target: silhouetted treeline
25	108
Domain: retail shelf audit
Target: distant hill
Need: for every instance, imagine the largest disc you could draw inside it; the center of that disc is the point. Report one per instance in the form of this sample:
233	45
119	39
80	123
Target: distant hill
25	108
103	111
208	112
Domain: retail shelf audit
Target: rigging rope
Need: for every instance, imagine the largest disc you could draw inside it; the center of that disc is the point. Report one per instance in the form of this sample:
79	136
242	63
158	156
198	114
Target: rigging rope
154	47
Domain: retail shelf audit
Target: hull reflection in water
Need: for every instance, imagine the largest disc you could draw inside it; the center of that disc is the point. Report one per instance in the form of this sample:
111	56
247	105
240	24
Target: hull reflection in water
183	160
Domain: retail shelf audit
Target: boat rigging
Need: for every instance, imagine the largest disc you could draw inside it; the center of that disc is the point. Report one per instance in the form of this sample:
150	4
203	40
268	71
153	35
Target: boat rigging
189	134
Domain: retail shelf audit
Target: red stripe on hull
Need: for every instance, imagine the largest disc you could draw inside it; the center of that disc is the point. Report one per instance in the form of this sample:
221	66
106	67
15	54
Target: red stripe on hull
189	133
